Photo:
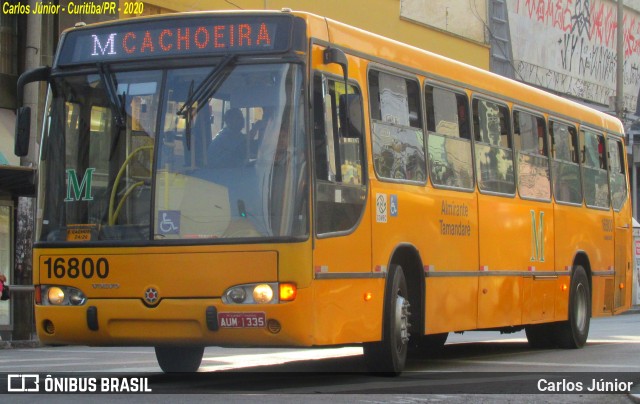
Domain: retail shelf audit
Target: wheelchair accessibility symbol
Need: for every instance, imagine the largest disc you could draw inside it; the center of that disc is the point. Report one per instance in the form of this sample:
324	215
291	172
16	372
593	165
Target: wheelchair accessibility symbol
169	222
393	205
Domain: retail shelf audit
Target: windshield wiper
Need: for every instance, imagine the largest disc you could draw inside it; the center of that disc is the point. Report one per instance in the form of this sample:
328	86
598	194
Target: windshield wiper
208	86
116	103
109	84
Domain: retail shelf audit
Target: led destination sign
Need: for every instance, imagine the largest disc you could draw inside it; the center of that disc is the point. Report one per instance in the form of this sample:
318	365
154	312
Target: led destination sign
176	37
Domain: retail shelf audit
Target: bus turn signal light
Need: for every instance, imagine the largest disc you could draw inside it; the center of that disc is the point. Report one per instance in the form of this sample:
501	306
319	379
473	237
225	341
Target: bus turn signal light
288	292
621	285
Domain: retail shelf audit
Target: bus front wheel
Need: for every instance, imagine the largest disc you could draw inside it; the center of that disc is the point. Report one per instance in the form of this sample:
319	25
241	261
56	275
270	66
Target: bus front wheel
389	355
573	333
179	359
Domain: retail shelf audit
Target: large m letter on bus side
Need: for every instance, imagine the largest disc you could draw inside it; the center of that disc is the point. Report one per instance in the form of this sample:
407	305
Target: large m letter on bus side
537	237
109	45
85	185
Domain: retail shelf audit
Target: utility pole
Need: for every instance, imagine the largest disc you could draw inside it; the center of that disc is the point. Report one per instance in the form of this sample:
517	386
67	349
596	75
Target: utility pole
620	61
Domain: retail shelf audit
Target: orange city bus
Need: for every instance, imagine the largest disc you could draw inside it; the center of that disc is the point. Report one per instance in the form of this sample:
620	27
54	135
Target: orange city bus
282	179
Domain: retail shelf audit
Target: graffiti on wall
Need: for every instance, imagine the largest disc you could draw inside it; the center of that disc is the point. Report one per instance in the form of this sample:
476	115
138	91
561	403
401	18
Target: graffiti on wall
570	46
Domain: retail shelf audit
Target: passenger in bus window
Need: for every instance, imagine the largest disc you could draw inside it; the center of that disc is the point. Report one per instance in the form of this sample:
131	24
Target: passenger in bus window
463	119
601	156
228	149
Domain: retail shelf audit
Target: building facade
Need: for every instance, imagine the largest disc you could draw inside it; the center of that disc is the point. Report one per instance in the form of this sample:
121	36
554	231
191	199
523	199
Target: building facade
569	47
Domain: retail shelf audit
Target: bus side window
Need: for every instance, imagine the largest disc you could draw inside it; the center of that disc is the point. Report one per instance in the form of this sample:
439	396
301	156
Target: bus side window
594	172
494	154
398	140
338	153
530	143
617	173
566	170
449	144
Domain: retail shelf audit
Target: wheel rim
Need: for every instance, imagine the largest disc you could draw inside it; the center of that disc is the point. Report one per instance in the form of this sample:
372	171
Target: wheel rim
401	326
581	307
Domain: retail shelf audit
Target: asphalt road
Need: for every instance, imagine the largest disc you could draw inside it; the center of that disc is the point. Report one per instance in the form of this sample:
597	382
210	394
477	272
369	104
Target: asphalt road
473	367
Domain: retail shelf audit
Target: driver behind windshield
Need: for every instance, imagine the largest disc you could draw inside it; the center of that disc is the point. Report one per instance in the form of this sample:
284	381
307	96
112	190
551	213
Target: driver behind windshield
229	147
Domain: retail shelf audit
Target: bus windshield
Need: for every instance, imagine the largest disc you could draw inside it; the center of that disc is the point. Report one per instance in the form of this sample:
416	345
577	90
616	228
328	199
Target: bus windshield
213	152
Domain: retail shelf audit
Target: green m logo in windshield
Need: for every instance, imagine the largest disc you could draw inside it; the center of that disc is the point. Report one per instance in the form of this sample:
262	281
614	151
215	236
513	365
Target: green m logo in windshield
79	188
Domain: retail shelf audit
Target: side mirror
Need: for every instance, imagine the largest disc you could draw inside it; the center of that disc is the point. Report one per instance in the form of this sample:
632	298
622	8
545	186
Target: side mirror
23	114
23	130
335	55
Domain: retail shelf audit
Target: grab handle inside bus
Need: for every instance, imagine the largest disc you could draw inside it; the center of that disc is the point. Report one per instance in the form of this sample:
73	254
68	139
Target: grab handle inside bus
23	114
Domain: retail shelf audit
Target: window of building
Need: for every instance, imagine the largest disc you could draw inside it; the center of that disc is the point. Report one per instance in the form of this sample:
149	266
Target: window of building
6	250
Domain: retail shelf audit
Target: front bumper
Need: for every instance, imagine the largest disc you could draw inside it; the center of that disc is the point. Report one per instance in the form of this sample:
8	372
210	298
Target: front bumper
174	321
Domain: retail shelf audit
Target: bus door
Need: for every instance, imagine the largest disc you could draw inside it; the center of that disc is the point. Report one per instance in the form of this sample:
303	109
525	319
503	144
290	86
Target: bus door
342	252
622	222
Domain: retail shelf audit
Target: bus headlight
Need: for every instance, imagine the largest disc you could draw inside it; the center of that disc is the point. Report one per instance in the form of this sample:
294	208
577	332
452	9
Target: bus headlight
62	296
237	295
262	294
254	293
55	295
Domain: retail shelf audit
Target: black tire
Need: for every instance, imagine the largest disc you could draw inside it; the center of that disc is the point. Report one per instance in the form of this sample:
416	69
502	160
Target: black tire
174	359
540	336
573	333
426	346
389	356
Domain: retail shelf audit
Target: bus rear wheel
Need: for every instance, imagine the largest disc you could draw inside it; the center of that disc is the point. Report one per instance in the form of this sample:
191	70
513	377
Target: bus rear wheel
389	355
174	359
573	333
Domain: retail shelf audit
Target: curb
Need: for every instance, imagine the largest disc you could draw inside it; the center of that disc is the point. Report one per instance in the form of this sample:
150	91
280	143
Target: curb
20	344
632	310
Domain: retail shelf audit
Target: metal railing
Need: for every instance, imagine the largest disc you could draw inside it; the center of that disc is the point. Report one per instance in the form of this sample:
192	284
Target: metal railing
21	288
26	321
